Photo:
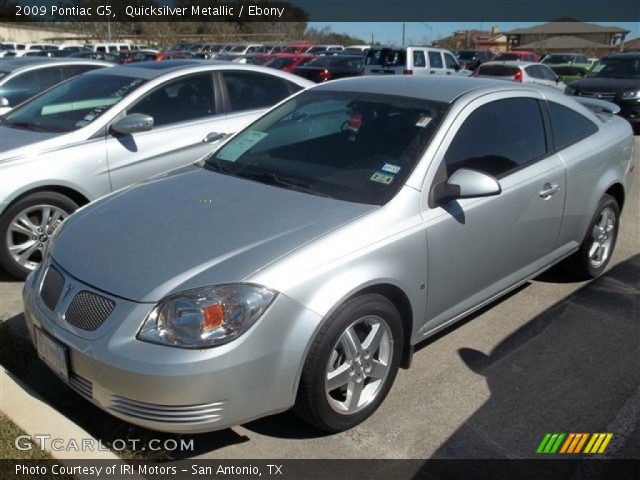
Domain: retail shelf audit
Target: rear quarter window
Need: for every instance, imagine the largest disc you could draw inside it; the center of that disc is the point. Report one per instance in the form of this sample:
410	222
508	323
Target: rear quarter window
568	126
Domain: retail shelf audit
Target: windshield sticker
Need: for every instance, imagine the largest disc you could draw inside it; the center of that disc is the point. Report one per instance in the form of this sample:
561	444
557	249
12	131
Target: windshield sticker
391	168
423	121
97	103
239	145
382	177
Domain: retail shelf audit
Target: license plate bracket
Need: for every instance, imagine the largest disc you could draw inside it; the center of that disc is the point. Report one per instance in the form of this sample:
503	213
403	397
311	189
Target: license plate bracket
53	353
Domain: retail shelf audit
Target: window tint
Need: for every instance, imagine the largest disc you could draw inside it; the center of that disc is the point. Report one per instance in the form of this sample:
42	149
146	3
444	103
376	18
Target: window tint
248	90
450	61
435	60
535	71
69	71
547	73
498	138
581	59
28	84
188	98
568	126
418	59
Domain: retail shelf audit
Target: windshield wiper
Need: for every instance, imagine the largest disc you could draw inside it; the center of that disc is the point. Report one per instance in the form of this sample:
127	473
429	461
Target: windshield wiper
271	178
212	164
27	125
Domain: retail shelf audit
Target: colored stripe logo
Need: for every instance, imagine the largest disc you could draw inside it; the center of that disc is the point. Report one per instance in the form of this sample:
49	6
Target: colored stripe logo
591	443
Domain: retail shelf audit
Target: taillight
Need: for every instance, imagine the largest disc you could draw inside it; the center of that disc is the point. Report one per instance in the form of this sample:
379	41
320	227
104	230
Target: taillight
324	75
518	76
407	72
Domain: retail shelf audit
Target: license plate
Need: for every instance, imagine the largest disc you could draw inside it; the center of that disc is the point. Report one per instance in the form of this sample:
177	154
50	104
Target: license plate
52	353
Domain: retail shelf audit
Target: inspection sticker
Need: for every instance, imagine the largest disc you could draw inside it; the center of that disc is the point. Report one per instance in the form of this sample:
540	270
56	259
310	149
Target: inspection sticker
382	177
423	121
391	168
243	142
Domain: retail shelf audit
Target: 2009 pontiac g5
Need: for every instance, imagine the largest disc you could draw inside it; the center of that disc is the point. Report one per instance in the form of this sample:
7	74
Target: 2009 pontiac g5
300	262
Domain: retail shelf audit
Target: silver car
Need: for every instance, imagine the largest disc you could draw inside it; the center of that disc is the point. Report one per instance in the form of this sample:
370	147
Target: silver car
26	77
300	263
522	72
113	127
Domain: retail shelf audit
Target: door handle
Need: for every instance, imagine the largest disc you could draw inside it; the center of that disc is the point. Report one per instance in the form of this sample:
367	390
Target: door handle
548	190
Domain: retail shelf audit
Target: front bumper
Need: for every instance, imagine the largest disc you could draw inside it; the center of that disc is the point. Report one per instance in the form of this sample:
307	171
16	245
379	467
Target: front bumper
178	390
630	110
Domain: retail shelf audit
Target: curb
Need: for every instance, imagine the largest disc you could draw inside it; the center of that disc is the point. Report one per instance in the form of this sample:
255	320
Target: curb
34	416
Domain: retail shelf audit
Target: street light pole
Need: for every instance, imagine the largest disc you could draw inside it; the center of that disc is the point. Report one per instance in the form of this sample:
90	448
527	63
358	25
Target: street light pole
403	29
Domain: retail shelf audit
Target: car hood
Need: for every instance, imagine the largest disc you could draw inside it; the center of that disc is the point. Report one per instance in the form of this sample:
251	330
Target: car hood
17	142
190	229
596	84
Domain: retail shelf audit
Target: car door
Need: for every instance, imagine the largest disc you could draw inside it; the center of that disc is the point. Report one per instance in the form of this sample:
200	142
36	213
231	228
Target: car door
419	66
436	65
478	247
450	64
185	110
247	95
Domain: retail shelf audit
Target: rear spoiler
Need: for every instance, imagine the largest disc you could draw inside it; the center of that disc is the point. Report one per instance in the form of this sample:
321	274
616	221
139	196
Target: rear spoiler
598	106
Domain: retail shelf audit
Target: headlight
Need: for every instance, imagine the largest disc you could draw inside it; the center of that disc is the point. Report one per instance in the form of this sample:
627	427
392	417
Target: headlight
631	94
205	317
570	90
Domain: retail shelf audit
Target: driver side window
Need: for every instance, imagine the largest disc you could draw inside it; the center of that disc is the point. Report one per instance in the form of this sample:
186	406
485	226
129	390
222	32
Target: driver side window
498	138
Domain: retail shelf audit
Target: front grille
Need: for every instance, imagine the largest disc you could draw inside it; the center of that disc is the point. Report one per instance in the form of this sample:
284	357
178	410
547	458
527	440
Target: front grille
88	310
599	95
83	386
52	288
202	413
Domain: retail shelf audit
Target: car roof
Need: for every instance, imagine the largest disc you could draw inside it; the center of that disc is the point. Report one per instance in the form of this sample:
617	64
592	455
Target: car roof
513	63
153	69
16	63
429	87
624	55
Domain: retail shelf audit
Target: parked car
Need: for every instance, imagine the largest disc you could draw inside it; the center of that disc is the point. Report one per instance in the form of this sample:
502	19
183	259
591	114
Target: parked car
517	56
253	58
145	118
410	61
522	72
471	59
318	49
25	77
243	49
296	48
90	54
565	59
615	78
48	53
108	47
570	72
325	68
288	61
299	263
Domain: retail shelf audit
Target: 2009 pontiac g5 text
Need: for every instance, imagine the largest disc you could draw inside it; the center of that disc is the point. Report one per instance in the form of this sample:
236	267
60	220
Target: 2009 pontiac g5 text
299	263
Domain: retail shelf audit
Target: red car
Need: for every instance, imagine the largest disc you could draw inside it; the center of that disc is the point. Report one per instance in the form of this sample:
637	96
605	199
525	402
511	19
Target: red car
171	55
288	61
517	55
297	48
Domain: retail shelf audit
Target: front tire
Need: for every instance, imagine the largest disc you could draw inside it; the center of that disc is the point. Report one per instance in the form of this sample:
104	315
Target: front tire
351	364
25	229
597	247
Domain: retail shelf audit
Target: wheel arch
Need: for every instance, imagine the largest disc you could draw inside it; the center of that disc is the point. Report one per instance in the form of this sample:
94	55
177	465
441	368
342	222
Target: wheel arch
616	190
74	194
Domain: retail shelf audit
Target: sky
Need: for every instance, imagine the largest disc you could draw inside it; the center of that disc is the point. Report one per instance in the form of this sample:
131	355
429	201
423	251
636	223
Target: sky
419	32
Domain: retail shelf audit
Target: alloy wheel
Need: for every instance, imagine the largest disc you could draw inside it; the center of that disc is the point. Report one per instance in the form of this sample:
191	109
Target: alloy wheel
603	233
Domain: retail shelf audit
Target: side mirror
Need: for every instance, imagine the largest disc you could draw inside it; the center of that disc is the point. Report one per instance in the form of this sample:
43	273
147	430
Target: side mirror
4	102
466	183
457	68
559	79
134	123
212	137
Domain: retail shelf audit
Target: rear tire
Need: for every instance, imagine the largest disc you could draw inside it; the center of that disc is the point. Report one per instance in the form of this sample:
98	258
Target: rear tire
351	364
27	239
599	243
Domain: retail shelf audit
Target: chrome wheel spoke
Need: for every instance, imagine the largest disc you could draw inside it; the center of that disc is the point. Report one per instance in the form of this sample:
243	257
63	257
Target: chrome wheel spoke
26	222
21	247
372	342
378	370
46	216
339	377
23	256
593	249
353	394
351	343
16	227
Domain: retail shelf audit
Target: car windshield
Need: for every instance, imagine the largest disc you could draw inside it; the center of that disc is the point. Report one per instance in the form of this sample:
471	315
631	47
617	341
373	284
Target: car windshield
336	61
238	48
620	67
73	104
507	56
467	55
558	59
357	147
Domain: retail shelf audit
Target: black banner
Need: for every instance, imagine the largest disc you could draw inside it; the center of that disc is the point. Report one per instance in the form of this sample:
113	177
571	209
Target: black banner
317	10
548	469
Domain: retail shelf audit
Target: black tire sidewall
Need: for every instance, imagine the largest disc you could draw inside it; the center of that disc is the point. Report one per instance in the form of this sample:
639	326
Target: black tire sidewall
360	307
607	201
41	198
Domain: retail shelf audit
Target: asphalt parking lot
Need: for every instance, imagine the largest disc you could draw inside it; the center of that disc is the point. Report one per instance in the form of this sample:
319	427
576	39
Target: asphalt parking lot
551	357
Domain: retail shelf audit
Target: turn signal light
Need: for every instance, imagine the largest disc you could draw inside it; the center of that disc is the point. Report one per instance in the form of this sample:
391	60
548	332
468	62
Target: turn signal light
407	72
518	76
213	316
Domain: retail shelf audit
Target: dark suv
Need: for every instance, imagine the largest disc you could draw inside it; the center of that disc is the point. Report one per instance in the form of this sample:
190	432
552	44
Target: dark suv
615	78
471	59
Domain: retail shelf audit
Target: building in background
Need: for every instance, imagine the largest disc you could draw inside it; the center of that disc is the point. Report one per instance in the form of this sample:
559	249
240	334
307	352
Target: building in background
588	38
493	40
632	45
